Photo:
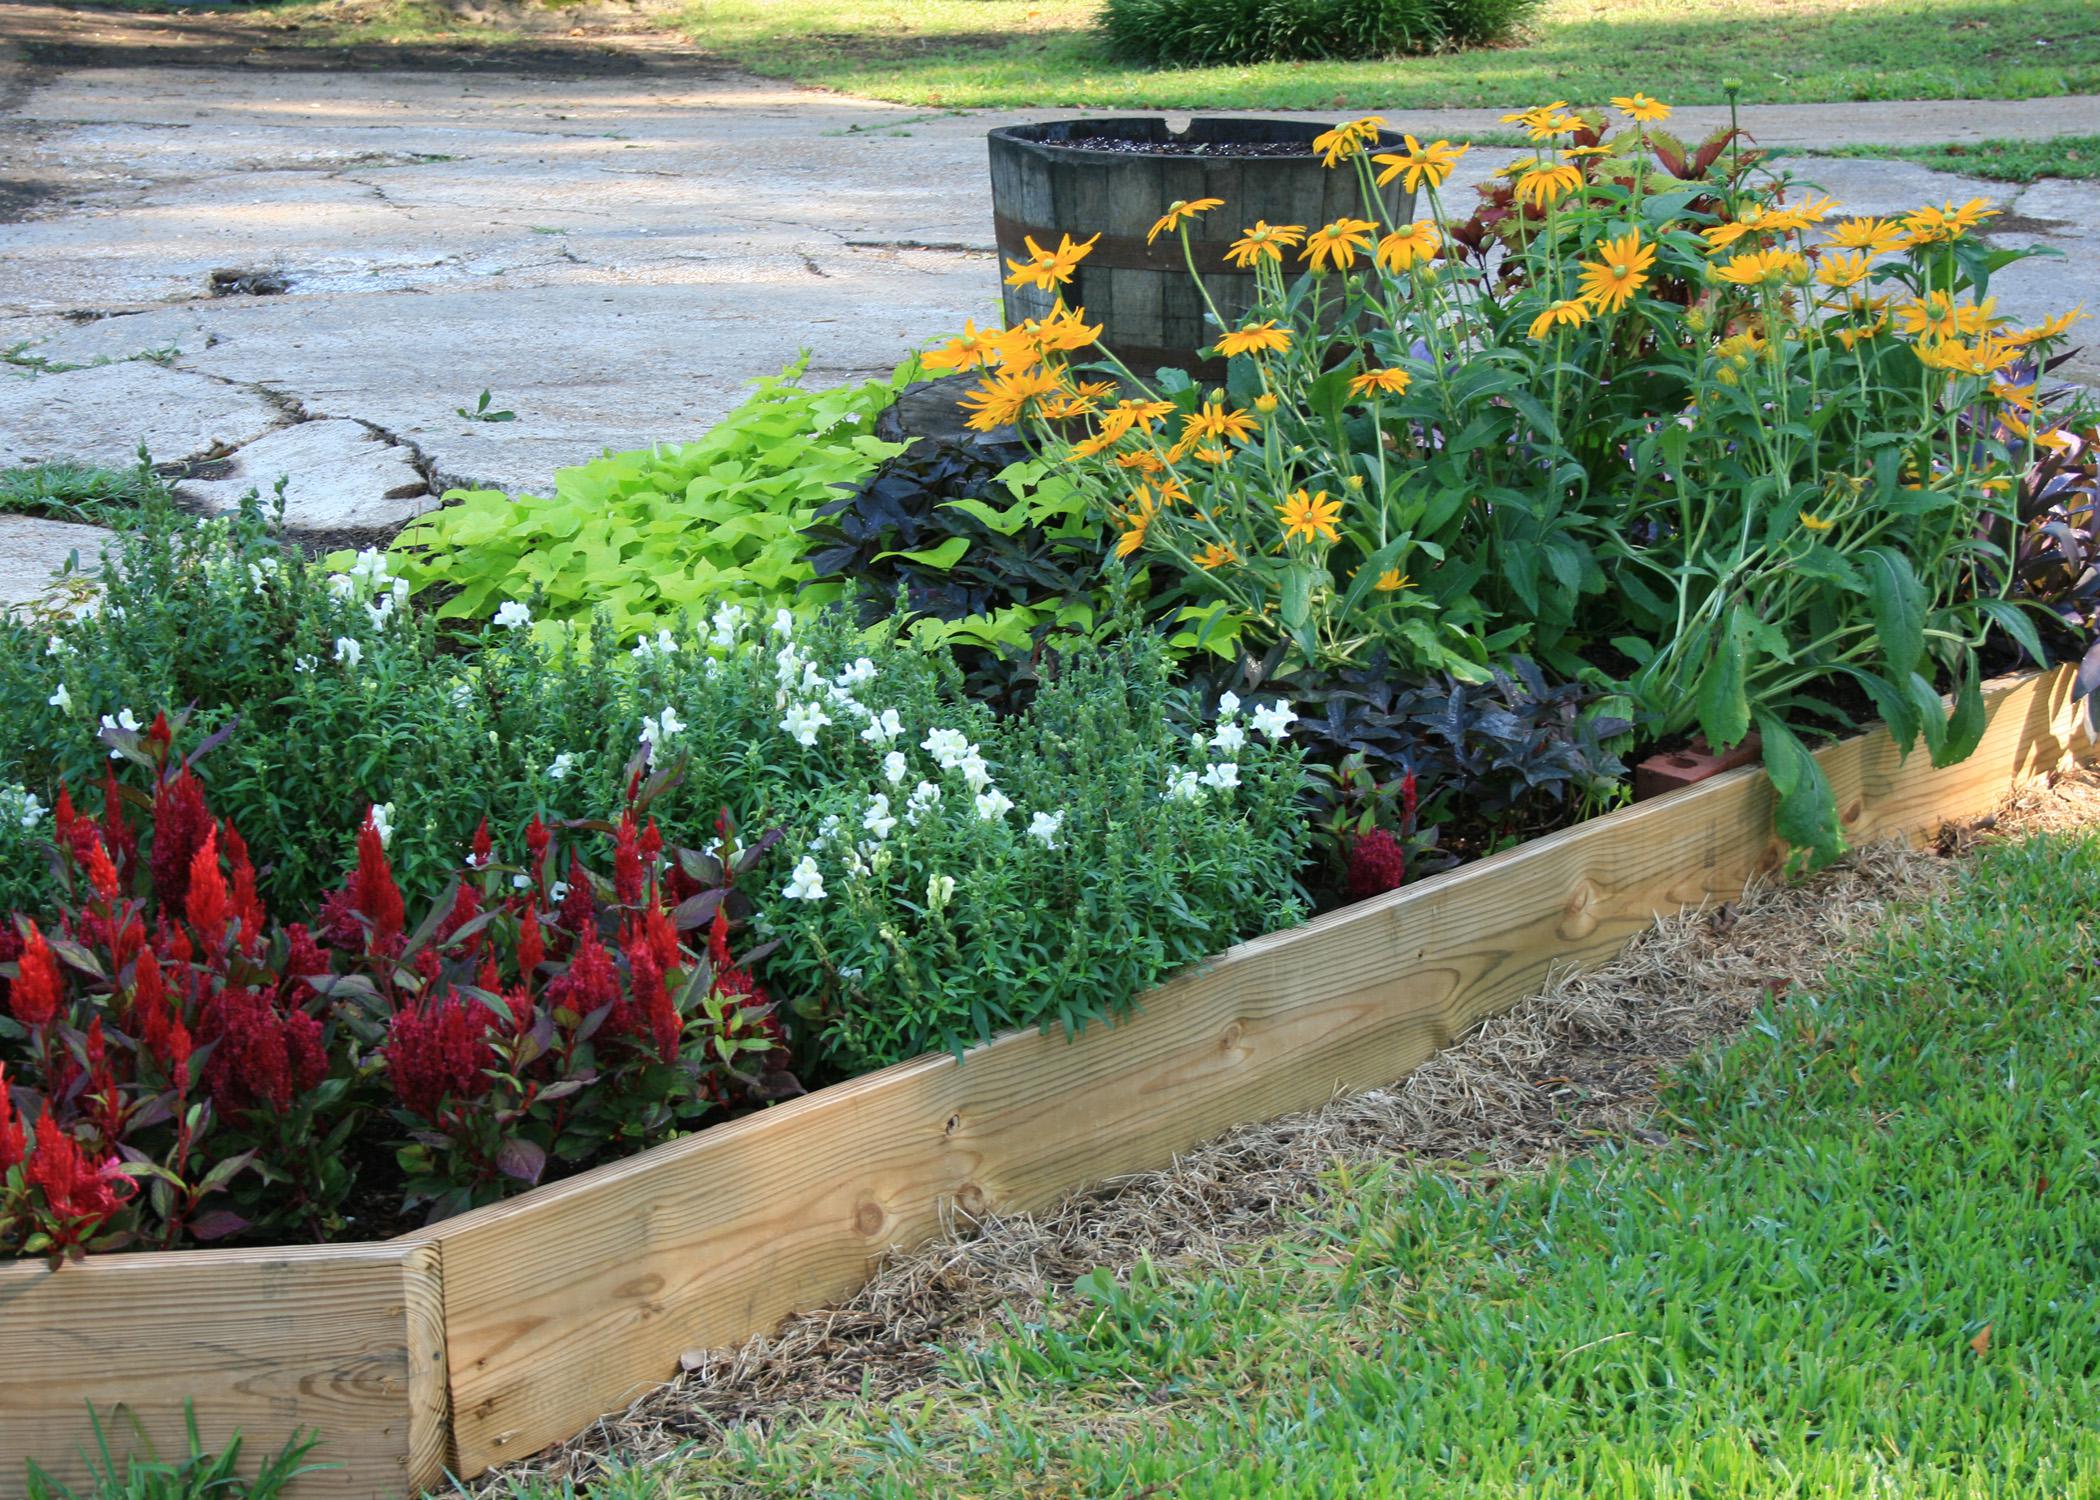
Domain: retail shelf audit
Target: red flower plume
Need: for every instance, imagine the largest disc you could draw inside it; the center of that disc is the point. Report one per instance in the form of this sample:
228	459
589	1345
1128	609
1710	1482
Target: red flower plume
180	823
438	1051
627	863
209	906
373	894
38	990
79	1198
13	1143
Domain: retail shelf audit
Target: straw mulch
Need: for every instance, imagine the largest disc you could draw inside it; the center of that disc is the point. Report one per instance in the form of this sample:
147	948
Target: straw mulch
1577	1063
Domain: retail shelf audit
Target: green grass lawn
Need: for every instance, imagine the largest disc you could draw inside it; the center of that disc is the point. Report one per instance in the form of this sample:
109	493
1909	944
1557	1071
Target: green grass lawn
1865	1263
2073	156
958	53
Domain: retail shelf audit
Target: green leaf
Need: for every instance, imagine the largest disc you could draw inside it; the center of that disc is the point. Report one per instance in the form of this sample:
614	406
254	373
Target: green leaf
1965	727
1897	601
1807	815
943	556
2016	622
1896	708
1932	713
1723	700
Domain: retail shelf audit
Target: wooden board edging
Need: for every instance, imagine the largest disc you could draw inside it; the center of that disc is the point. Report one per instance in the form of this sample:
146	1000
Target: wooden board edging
347	1339
567	1302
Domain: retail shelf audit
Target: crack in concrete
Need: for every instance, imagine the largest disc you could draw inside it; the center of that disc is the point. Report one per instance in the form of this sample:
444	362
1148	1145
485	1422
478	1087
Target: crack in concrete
297	411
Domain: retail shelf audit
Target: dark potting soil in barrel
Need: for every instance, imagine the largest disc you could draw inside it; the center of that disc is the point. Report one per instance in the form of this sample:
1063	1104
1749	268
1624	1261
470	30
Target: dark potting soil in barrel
1185	148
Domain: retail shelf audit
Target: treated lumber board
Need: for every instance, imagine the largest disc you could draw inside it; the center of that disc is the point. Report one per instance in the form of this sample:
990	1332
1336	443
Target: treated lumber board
347	1339
563	1304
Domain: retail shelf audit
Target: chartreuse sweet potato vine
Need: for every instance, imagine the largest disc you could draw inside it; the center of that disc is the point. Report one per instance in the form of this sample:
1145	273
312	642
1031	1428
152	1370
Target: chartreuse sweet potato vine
650	535
1651	415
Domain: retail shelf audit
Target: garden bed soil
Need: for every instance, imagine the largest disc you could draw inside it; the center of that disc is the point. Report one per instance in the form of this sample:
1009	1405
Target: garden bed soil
493	1335
1186	147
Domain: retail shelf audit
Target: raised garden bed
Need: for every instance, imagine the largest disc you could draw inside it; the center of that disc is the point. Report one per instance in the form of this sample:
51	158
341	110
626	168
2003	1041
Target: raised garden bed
495	1333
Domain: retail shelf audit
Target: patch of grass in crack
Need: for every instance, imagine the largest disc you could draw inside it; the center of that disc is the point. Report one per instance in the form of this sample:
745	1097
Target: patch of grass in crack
18	355
86	493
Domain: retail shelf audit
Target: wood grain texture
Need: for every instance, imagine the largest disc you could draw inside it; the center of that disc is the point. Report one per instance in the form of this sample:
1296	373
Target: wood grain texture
564	1304
346	1339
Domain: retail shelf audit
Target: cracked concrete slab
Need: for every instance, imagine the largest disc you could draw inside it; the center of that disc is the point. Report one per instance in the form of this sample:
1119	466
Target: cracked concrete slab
339	477
617	257
32	549
104	414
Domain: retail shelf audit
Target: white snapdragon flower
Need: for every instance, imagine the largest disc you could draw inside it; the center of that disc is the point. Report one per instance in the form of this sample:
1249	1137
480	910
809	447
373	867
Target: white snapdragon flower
370	564
975	771
895	768
948	747
1182	785
61	700
806	882
924	798
1228	704
260	572
380	610
559	768
827	830
348	651
879	820
784	623
883	728
382	820
861	671
1229	740
1224	775
305	663
993	804
728	620
787	665
56	647
21	806
123	719
940	890
1275	720
521	882
1044	826
558	892
513	614
342	585
658	730
803	721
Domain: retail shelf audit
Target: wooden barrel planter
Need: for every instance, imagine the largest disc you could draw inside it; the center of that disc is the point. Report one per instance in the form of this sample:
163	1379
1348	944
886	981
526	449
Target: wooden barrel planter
1116	177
